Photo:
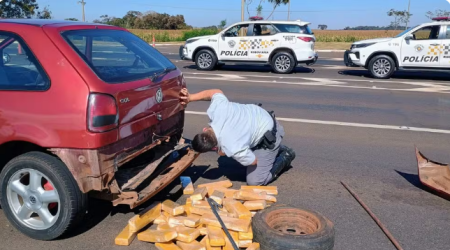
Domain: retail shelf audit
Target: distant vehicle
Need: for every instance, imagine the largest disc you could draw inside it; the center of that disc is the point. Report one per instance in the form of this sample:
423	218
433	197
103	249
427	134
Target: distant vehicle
77	102
425	47
281	44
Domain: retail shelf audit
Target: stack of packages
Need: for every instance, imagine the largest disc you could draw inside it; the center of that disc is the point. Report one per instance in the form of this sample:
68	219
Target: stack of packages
193	226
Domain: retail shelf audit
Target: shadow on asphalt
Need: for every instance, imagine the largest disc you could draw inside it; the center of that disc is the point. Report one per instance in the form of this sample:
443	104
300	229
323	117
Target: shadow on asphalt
405	75
415	181
252	68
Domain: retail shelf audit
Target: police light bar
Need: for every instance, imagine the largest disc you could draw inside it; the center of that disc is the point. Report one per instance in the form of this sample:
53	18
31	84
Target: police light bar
441	19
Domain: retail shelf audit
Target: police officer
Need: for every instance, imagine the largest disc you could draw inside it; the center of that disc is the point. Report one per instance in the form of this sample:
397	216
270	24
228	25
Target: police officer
245	132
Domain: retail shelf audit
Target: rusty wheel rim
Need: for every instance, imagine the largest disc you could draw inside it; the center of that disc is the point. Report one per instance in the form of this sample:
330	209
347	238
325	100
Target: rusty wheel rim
293	222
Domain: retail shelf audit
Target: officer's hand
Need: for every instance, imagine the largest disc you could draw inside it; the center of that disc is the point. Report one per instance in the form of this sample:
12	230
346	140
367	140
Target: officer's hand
184	97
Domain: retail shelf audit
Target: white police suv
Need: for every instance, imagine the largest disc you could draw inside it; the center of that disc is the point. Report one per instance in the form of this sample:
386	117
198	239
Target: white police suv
282	44
425	47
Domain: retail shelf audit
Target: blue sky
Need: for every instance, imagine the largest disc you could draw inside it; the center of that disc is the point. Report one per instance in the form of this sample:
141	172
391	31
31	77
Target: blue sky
337	14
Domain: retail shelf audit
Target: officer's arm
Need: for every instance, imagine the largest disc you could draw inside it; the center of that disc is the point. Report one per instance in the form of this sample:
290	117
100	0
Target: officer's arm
205	95
255	162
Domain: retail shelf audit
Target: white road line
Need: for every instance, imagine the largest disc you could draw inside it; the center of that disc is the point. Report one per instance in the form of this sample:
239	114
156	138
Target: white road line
350	124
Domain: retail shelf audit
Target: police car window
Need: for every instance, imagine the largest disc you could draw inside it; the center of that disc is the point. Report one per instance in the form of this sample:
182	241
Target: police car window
237	31
447	33
19	68
263	30
427	33
292	28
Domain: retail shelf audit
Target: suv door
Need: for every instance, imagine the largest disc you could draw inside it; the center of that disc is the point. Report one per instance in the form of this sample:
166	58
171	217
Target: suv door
229	43
264	39
423	49
445	51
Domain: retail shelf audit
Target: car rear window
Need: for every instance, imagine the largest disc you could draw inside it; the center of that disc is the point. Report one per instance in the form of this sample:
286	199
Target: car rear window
293	28
117	56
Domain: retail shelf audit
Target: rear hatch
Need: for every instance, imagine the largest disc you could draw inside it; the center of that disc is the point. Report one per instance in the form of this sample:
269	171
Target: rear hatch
140	80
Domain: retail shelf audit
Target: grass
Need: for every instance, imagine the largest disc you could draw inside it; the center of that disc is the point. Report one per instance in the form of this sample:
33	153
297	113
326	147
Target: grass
332	46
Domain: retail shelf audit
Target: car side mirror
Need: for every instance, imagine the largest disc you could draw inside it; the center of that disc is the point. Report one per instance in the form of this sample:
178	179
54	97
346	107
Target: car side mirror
409	37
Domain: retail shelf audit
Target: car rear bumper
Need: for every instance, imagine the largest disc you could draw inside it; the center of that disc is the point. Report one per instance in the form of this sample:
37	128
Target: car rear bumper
94	169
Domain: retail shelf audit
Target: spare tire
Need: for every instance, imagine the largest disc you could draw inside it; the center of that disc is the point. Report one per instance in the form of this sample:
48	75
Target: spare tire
282	227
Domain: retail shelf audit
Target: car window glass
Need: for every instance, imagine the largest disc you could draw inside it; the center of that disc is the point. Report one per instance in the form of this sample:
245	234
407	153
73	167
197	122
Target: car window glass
237	31
427	33
447	32
292	28
19	69
117	56
263	30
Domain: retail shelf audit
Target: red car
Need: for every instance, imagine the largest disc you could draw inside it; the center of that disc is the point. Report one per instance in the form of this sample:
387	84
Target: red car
78	102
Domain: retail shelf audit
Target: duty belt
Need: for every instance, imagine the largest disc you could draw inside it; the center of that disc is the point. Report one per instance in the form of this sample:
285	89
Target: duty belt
270	137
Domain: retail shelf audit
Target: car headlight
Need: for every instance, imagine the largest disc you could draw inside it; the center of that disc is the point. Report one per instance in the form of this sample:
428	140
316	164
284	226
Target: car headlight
191	41
362	45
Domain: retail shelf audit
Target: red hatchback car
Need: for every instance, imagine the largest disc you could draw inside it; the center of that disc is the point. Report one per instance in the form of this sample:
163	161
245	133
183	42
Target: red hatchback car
78	102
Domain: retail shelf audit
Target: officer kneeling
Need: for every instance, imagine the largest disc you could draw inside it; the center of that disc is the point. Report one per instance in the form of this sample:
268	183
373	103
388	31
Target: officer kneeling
245	132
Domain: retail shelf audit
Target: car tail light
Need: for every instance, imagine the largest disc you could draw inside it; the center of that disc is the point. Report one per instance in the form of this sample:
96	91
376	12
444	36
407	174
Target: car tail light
102	113
306	39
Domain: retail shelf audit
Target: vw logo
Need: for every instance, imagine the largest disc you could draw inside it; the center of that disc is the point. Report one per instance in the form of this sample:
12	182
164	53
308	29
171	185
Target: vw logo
159	96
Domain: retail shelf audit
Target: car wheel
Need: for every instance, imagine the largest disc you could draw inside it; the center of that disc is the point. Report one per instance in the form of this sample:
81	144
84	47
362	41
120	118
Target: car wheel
40	197
281	227
382	67
283	63
205	60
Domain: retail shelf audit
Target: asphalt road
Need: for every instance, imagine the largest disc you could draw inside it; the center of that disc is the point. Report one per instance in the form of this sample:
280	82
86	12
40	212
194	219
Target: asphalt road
344	126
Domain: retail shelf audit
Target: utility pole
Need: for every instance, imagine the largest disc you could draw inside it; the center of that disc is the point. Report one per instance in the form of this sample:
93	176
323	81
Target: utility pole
289	10
83	3
242	10
407	21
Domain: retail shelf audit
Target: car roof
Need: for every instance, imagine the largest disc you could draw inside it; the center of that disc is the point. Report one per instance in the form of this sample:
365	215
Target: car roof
297	22
43	22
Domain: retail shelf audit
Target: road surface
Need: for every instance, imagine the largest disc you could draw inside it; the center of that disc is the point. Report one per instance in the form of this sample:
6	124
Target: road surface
344	126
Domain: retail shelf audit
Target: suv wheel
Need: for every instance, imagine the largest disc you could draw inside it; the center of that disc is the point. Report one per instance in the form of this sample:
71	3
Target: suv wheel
283	63
40	197
382	67
205	60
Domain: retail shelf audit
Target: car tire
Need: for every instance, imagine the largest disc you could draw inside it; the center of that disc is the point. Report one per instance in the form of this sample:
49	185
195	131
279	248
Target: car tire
382	67
205	60
54	195
283	63
281	227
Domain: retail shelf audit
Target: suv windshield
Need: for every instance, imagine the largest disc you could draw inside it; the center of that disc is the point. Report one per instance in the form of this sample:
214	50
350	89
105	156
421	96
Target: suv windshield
293	28
117	56
406	31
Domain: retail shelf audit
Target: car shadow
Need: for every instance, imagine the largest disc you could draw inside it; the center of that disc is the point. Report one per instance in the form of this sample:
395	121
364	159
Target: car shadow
401	75
415	181
254	68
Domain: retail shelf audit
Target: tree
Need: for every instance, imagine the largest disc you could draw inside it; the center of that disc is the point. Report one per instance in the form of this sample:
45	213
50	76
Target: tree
323	26
222	24
75	19
400	17
44	14
259	10
276	3
437	13
18	8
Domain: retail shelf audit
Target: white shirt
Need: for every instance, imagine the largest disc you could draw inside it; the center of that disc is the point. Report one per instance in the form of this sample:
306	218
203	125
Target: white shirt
238	127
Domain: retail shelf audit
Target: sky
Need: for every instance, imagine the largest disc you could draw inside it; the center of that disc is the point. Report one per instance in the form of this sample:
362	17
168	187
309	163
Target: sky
337	14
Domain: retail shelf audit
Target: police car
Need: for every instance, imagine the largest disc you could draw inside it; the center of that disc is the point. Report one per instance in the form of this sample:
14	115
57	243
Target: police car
282	44
423	47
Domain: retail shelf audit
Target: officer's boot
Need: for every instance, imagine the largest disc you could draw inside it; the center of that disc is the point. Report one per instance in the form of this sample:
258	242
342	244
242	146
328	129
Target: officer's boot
283	160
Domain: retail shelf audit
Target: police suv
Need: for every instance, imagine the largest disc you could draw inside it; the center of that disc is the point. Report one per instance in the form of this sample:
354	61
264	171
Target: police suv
282	44
423	47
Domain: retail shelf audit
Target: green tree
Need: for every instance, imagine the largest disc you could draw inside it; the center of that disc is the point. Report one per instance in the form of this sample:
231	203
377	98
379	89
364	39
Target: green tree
437	13
72	19
222	24
44	14
400	17
276	3
259	10
18	8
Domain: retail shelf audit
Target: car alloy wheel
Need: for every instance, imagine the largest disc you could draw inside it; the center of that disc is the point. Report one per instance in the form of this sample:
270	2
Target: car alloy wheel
382	67
204	60
33	199
283	63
